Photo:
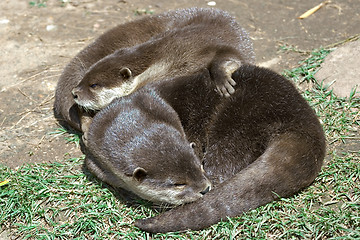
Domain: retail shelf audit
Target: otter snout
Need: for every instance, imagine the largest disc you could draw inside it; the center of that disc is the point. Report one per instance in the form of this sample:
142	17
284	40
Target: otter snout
205	186
75	92
206	190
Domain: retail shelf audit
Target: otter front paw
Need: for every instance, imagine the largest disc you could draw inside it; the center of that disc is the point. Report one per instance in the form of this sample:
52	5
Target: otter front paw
224	83
225	87
84	139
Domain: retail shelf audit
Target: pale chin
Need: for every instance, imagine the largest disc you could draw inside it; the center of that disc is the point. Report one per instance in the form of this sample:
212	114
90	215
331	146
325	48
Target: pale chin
88	105
168	197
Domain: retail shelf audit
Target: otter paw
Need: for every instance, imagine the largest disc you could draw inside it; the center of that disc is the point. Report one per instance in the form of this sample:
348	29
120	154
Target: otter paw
84	139
225	85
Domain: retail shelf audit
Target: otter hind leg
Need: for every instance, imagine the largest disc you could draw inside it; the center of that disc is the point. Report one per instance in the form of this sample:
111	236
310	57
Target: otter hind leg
85	121
221	71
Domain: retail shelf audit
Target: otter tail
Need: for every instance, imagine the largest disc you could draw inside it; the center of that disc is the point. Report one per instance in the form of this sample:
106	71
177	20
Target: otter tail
289	163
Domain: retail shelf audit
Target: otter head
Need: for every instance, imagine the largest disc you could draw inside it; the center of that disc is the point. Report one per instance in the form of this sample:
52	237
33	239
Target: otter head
137	143
98	88
157	164
172	176
107	79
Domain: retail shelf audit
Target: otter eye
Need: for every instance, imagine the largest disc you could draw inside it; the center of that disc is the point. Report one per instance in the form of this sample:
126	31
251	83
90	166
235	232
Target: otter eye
192	145
93	85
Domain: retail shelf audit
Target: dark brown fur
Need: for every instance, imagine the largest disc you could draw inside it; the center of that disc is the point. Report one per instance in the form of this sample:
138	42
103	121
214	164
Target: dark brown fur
262	143
206	24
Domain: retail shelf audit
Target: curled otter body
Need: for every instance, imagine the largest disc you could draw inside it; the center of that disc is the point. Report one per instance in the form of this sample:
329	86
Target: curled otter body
130	55
137	143
262	143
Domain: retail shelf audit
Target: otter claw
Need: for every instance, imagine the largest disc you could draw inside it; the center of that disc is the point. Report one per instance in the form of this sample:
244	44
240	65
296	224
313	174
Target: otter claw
224	83
226	89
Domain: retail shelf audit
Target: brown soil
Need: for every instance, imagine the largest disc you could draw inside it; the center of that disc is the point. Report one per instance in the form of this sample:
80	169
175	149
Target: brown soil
37	42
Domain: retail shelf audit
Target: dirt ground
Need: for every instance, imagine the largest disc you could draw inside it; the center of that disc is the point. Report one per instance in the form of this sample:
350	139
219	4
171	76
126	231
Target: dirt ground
36	42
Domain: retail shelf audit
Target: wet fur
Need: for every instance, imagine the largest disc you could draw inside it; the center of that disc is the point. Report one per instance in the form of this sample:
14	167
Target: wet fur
211	23
262	143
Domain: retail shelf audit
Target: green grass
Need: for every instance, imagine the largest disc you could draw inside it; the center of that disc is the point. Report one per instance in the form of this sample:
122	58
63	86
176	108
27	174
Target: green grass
48	201
43	3
38	3
60	201
339	116
70	137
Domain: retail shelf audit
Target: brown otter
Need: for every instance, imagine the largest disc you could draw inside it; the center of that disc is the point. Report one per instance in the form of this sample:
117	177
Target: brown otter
175	53
137	142
262	143
132	54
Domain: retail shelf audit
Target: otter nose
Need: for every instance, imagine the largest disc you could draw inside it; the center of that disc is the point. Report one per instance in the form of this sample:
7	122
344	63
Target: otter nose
74	93
205	191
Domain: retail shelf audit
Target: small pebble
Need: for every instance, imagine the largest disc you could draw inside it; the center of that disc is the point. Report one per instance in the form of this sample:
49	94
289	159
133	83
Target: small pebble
50	27
4	21
212	3
96	25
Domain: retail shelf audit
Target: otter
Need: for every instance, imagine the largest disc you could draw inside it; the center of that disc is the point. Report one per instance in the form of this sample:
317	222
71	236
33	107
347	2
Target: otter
131	55
262	143
136	143
174	53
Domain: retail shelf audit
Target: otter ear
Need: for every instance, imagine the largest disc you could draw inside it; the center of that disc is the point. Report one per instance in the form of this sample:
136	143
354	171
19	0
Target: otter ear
125	73
139	174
